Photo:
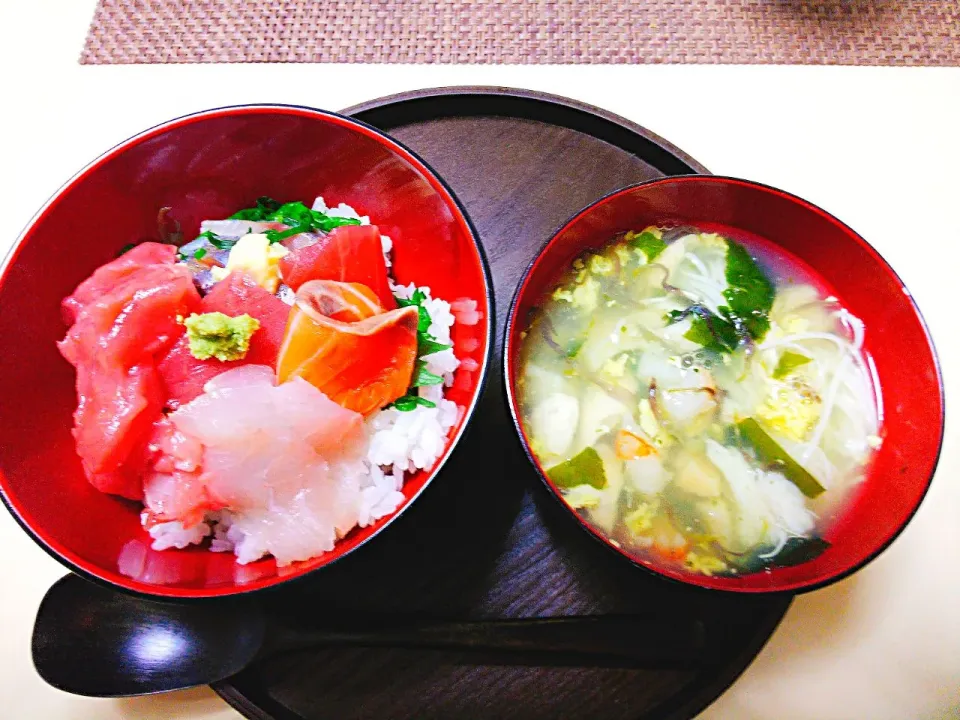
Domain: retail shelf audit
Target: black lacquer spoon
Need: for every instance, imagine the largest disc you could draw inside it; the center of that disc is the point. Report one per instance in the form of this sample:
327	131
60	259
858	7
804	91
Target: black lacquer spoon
90	640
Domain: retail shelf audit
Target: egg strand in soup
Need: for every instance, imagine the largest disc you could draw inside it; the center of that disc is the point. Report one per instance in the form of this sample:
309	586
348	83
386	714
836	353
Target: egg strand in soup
694	408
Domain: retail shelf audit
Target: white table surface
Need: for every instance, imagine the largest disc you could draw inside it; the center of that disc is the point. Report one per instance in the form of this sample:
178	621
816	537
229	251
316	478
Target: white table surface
880	148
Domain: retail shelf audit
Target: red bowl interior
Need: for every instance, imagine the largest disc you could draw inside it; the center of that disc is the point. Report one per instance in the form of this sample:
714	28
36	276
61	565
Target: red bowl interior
203	166
896	337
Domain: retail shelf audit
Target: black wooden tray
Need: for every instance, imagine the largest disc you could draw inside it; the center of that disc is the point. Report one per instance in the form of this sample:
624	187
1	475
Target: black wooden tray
485	540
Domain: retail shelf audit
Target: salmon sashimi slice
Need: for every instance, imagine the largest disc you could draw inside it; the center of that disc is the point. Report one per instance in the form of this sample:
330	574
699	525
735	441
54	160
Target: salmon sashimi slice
350	253
361	365
106	277
347	302
114	345
184	375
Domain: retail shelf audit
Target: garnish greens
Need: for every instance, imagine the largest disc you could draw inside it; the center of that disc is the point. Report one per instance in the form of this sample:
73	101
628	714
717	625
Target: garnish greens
749	295
409	402
649	242
298	216
796	551
217	241
713	333
426	345
586	468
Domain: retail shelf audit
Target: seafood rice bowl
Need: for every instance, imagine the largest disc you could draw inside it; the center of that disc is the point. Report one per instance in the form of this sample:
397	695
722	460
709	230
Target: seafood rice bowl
266	387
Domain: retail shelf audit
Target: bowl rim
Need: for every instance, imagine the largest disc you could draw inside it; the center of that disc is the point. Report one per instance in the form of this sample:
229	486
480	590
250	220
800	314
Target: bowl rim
88	570
795	588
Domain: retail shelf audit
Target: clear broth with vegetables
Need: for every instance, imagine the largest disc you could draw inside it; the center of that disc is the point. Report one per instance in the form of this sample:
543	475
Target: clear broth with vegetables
698	402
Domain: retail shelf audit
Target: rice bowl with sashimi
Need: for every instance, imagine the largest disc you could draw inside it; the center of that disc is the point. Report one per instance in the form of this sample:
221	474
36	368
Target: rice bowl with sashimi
265	388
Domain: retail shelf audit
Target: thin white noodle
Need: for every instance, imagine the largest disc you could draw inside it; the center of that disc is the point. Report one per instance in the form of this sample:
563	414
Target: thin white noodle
828	407
844	345
697	295
660	299
798	337
784	536
854	324
854	347
693	297
704	275
877	395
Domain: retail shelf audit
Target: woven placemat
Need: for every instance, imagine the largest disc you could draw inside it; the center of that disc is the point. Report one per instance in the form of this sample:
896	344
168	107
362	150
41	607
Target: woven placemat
834	32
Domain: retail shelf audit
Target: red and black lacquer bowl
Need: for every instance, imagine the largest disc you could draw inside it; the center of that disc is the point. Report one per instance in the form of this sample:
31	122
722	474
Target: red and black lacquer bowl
202	166
896	338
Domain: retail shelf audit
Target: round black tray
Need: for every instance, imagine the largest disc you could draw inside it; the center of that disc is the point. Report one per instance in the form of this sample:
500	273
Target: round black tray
485	541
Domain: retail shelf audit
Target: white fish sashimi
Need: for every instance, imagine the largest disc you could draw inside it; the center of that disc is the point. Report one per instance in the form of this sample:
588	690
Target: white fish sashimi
232	229
285	460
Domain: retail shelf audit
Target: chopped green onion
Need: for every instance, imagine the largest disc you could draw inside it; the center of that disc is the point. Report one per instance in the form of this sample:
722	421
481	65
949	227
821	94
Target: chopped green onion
648	243
789	362
216	240
298	216
769	451
574	346
409	402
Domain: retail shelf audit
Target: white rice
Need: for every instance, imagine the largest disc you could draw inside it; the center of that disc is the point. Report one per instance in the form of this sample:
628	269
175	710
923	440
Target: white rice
342	210
400	442
413	440
174	535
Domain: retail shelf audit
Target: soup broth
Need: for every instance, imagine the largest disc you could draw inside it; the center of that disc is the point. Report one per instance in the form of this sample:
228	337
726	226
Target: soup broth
699	403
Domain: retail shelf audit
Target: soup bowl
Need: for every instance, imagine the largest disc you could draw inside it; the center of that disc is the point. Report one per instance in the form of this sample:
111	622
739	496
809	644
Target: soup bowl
896	338
204	166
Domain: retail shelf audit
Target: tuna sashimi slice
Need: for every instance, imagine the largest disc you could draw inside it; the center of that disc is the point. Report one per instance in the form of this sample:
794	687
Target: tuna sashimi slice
184	376
114	344
106	277
362	365
350	253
